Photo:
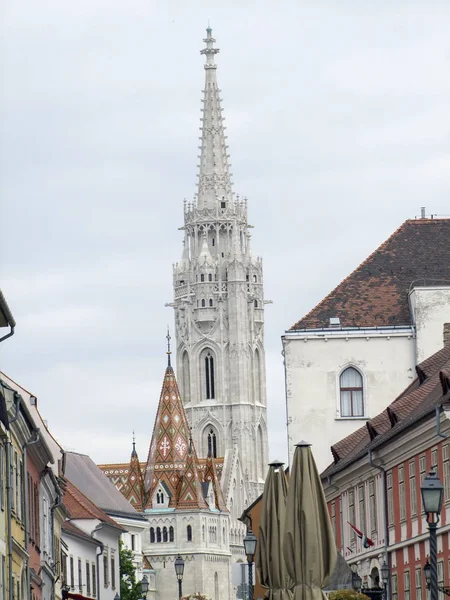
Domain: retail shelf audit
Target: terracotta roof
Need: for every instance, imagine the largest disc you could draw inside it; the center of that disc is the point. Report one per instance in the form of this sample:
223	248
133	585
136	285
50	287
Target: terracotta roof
80	507
417	401
376	293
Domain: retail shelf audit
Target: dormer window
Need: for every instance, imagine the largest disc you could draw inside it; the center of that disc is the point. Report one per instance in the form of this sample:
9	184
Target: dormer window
159	497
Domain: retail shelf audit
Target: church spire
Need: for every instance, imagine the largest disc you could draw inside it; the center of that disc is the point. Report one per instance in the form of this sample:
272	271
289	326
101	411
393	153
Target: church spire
214	178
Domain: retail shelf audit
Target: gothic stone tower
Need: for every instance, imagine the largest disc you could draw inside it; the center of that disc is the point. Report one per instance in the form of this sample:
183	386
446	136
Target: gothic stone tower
219	312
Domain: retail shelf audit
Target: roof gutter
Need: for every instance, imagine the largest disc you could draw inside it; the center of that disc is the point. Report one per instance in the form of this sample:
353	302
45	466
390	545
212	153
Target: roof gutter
97	556
4	308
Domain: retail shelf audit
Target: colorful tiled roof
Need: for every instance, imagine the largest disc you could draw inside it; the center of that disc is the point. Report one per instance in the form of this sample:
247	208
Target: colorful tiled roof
169	448
133	489
427	391
79	506
376	293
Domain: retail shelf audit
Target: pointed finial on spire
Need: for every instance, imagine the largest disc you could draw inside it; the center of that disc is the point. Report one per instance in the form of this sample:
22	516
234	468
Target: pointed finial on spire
133	453
190	441
168	338
209	51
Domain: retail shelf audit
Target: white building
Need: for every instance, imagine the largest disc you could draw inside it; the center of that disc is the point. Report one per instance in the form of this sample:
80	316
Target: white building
91	541
357	349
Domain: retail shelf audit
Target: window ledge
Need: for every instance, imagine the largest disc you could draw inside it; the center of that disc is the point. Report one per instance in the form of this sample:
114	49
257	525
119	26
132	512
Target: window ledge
339	418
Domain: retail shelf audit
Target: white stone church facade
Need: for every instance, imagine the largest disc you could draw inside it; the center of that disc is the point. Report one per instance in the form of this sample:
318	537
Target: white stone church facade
209	450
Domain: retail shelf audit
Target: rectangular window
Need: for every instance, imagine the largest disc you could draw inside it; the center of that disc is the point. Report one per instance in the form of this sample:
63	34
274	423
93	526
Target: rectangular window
407	584
80	576
88	579
16	483
434	458
401	494
94	580
446	473
72	574
21	508
2	479
373	506
105	570
113	572
390	499
351	513
418	583
412	488
64	567
394	587
362	509
133	542
440	574
422	467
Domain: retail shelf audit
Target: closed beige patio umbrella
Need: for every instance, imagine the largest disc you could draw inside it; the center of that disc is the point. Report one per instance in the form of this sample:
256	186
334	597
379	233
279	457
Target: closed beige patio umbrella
269	554
309	545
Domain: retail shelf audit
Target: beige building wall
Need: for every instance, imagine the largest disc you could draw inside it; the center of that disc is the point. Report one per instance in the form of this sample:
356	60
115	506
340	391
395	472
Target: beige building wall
430	307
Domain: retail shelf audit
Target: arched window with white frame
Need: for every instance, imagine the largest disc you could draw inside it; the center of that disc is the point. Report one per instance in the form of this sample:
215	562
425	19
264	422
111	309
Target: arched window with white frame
351	393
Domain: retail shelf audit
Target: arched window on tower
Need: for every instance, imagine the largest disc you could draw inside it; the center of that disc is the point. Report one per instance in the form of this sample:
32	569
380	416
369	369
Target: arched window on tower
202	277
171	534
203	303
210	302
209	276
165	536
158	534
189	533
351	393
152	535
209	376
212	444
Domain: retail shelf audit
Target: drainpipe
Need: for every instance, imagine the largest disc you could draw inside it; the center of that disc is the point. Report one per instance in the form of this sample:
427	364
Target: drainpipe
97	556
17	399
57	503
4	308
386	524
31	442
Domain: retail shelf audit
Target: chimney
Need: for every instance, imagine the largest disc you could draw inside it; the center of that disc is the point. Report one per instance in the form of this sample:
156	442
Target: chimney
422	212
446	334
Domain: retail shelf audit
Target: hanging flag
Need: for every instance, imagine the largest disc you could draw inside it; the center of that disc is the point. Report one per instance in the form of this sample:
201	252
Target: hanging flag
366	541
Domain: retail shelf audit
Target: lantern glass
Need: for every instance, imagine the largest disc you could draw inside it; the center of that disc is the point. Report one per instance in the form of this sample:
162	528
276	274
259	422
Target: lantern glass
250	544
144	585
179	567
427	572
384	570
356	581
432	494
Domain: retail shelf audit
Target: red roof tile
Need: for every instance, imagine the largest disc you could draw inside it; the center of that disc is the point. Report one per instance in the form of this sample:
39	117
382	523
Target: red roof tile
80	507
376	293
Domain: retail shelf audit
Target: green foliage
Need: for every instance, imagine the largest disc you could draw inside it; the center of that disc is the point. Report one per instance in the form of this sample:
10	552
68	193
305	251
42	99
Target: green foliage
347	595
130	589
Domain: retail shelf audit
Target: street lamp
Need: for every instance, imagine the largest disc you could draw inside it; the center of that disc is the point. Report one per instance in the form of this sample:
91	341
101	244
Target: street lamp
250	549
117	597
179	570
65	591
384	572
427	573
432	495
144	587
356	581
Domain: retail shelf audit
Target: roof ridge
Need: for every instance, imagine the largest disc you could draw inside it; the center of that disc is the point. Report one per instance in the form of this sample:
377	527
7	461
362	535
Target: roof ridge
377	249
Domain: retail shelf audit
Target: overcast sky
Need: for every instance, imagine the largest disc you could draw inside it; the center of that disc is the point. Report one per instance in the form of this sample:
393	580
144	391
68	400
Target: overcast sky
338	123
